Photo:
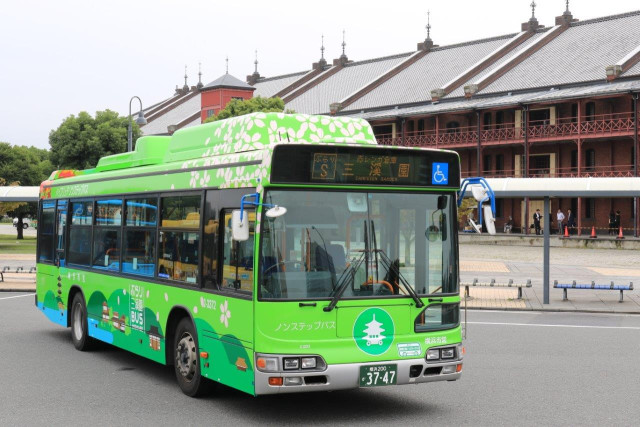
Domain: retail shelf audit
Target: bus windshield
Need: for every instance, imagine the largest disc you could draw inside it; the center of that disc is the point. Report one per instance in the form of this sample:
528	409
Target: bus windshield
376	244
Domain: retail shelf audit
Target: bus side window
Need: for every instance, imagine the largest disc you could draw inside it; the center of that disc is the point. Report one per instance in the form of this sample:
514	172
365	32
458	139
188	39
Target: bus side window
238	256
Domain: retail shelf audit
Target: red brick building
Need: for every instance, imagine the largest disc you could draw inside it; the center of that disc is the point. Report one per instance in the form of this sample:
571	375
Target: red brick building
555	101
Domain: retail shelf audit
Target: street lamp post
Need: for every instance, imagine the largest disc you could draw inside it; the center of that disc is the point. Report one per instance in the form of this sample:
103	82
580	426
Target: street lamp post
140	120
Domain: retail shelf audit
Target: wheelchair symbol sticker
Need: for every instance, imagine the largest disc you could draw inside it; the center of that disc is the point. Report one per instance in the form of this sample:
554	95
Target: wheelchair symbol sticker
440	173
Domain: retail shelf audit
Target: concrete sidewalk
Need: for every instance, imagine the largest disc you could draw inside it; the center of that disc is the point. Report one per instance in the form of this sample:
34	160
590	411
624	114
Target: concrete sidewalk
582	300
18	282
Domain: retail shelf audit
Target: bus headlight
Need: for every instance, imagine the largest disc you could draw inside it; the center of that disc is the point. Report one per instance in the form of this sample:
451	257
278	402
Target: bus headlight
308	362
291	363
267	364
448	353
433	354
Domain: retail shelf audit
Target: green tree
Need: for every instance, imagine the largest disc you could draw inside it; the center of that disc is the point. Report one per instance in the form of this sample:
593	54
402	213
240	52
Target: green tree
237	107
80	141
18	210
24	165
27	166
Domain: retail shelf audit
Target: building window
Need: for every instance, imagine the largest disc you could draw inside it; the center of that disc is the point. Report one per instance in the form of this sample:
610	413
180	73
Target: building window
499	208
421	125
574	207
410	125
237	98
210	113
499	164
539	117
633	208
590	111
383	130
590	211
486	120
590	159
574	160
574	113
499	119
453	127
486	164
541	165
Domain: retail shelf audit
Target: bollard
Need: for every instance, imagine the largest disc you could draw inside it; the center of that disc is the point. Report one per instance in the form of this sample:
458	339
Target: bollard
32	270
18	269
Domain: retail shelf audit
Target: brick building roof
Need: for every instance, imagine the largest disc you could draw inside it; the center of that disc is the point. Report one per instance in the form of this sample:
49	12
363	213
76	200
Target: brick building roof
564	61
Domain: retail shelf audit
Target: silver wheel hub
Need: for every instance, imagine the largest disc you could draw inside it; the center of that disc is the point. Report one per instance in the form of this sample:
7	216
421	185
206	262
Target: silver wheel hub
186	356
78	325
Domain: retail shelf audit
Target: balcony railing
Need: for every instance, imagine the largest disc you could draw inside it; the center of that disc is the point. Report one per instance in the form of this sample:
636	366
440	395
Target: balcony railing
611	171
596	126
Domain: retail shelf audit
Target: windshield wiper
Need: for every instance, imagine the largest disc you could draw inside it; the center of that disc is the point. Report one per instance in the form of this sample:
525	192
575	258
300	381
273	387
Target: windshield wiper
343	282
396	269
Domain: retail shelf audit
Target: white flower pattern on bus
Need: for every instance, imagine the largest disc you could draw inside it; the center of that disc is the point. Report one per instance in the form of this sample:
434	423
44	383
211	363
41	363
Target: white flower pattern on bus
225	314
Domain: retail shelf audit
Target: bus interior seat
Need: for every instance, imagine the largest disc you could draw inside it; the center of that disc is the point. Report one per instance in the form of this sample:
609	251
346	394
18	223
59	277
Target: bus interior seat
333	259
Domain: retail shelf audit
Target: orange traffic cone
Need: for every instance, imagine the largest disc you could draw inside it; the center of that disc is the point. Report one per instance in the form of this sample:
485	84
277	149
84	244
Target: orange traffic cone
593	233
620	236
566	231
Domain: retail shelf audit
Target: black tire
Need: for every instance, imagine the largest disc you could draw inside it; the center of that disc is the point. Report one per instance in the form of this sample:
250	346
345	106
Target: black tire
25	226
186	360
79	325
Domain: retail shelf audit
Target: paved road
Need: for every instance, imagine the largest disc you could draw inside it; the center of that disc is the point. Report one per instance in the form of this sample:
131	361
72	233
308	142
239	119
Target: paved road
520	369
10	229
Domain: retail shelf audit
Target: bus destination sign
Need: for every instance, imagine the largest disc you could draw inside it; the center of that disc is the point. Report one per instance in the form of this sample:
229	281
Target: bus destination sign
302	164
367	168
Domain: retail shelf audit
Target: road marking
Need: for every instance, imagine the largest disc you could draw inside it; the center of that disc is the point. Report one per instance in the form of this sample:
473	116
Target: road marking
615	271
545	312
18	296
555	326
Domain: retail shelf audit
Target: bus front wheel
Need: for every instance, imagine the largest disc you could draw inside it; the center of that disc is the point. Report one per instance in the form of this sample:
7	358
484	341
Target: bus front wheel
79	327
187	359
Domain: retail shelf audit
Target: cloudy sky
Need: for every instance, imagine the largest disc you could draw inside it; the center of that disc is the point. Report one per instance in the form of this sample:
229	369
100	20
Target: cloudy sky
61	57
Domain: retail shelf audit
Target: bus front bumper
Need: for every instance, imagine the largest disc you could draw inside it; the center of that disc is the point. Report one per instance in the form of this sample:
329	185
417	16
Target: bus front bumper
347	376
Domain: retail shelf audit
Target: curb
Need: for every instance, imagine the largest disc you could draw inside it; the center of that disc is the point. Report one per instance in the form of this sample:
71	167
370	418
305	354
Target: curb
17	290
556	310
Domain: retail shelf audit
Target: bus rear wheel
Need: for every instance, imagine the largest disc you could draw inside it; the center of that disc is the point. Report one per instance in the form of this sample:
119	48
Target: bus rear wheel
187	360
79	326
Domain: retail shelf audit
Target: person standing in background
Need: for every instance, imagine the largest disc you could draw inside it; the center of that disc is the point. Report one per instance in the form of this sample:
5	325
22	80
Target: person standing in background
536	221
560	219
571	221
612	223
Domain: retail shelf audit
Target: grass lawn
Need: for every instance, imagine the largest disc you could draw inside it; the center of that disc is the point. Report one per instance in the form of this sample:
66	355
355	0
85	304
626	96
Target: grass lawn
10	245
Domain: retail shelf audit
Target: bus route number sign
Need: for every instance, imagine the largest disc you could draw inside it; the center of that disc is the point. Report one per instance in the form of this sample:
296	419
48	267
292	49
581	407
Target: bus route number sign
378	375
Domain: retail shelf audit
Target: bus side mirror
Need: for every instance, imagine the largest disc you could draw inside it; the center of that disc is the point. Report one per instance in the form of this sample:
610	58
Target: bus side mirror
239	228
442	202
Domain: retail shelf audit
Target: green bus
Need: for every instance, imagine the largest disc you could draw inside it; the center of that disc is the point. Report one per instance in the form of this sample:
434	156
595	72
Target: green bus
271	253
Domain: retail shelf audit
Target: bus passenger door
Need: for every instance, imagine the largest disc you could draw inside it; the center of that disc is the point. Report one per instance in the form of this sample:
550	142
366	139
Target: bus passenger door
61	233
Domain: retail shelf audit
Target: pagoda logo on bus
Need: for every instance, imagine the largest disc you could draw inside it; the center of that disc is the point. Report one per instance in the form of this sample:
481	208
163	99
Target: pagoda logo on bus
373	331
